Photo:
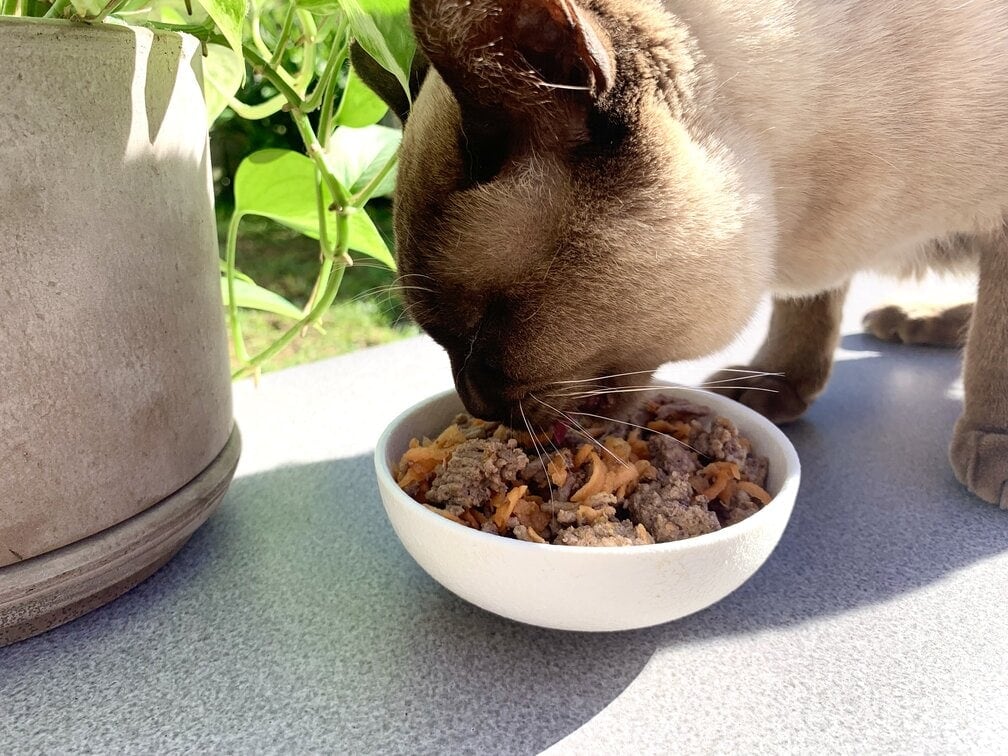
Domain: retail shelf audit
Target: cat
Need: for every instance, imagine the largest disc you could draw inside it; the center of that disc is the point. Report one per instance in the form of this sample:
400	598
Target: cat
591	188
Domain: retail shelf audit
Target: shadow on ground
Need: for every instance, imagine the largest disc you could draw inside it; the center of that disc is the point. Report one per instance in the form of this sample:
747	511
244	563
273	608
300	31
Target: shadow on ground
295	619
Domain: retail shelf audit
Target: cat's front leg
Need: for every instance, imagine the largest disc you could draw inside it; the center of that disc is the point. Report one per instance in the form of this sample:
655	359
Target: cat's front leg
800	343
979	450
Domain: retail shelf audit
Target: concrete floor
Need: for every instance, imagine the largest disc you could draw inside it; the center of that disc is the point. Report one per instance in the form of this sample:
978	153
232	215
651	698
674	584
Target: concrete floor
294	621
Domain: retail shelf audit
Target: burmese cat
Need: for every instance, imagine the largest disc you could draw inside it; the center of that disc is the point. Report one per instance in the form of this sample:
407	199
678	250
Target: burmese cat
581	179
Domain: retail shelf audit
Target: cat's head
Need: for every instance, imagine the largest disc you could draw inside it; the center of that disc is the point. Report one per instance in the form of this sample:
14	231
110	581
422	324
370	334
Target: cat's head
558	217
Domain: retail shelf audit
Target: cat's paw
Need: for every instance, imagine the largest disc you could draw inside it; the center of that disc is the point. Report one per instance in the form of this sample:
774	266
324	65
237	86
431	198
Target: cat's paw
930	325
773	396
980	461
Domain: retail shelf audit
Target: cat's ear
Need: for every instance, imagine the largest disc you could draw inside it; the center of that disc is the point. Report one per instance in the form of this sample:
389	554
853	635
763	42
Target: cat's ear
513	55
385	84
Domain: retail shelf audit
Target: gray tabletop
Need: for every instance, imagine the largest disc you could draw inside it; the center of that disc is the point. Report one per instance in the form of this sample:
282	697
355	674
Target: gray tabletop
294	620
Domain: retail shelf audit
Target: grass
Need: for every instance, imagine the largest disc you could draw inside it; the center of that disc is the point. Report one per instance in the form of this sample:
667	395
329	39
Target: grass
286	262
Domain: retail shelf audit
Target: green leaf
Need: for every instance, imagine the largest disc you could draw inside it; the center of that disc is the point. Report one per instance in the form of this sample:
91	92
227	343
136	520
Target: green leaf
319	6
255	297
382	27
364	237
357	155
359	106
229	15
279	184
223	73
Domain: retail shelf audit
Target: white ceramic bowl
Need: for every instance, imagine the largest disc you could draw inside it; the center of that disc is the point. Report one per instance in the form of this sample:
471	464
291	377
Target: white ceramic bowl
588	588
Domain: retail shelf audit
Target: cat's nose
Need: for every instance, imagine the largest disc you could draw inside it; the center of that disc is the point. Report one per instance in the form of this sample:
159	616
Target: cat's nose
481	387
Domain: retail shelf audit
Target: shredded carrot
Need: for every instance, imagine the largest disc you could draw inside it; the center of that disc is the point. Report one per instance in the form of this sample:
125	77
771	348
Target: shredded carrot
621	476
450	436
720	481
581	456
557	469
722	473
726	495
536	538
409	478
717	467
529	512
506	507
618	446
595	483
640	448
755	491
678	430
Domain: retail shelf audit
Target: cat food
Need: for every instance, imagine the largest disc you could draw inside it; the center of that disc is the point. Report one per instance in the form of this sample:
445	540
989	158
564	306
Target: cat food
677	470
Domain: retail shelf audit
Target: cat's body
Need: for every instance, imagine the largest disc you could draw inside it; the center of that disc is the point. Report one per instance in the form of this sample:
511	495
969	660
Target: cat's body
875	128
594	188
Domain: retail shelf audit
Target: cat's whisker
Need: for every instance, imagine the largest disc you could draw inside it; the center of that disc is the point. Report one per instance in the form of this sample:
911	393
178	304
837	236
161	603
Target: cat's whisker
753	376
535	445
640	389
747	370
658	387
387	293
641	427
601	377
581	428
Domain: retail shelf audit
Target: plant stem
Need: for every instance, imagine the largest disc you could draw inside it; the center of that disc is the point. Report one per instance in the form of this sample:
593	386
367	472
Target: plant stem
337	55
359	199
9	7
328	110
110	7
257	112
321	306
306	72
56	9
231	251
318	155
285	31
261	65
257	33
325	248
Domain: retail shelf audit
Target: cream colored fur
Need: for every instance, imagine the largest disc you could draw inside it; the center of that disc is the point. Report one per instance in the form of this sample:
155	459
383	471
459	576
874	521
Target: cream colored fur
752	147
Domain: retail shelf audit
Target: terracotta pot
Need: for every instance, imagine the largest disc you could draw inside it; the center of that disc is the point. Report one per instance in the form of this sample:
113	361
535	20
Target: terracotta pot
116	431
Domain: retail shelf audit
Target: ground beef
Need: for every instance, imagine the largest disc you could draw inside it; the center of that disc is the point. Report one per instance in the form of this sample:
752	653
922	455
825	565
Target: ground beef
575	479
472	428
669	408
718	439
670	511
605	533
754	469
476	470
740	507
534	473
671	457
662	502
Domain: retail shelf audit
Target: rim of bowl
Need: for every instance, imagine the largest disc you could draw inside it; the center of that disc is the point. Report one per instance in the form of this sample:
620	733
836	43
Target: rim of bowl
788	489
